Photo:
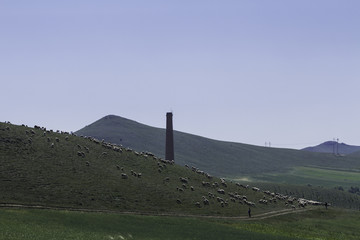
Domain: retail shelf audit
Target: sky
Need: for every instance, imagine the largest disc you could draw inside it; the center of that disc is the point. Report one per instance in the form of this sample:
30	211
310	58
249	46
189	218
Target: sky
249	71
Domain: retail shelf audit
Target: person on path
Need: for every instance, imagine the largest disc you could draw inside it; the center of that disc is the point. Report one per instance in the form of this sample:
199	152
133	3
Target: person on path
249	212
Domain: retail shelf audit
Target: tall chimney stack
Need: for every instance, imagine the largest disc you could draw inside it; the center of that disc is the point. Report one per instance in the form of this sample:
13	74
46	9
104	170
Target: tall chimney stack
169	148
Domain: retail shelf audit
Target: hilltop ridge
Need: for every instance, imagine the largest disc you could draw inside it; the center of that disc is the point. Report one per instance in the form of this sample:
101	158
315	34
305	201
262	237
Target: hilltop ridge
216	157
333	147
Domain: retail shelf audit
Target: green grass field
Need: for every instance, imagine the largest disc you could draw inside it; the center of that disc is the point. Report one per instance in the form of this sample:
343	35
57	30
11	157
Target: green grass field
48	224
315	176
46	170
311	183
318	224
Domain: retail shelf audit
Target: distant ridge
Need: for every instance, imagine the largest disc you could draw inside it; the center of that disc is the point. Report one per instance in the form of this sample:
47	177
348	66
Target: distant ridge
333	147
219	158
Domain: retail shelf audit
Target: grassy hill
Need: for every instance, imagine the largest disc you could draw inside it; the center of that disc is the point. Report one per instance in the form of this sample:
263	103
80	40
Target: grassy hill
355	154
216	157
337	198
42	167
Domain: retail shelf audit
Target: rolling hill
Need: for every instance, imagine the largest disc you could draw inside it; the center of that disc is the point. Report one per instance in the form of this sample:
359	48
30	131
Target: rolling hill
39	167
44	168
333	147
216	157
355	154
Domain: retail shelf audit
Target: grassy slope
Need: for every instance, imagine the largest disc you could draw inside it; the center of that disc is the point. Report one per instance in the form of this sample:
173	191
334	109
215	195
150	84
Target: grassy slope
216	157
335	197
315	176
20	224
312	183
32	172
321	224
45	224
355	154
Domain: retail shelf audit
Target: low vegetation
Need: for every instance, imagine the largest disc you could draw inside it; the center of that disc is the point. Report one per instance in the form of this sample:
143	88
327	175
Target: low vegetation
42	167
335	197
48	224
318	224
315	176
107	191
327	185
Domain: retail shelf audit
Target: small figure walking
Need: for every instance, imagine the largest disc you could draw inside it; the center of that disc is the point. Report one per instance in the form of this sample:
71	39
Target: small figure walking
326	205
249	212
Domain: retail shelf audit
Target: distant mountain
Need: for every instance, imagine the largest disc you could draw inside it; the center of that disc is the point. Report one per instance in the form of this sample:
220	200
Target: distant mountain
215	157
333	147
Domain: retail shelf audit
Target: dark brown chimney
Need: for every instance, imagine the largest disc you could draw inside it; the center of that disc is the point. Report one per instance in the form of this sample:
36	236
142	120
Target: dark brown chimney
169	148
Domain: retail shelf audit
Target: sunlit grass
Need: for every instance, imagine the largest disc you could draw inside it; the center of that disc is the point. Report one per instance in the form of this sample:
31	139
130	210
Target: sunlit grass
48	224
323	224
314	176
45	224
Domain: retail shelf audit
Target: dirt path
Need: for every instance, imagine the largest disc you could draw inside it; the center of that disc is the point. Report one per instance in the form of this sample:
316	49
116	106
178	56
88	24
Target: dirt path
254	217
277	213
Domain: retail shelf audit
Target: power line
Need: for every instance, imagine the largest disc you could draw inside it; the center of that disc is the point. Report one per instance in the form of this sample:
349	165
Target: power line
294	144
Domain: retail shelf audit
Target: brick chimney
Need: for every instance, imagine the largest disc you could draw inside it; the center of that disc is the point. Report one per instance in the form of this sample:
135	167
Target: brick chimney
169	148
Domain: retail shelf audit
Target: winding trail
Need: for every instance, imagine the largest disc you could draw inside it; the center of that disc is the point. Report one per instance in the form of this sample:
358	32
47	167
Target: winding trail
245	218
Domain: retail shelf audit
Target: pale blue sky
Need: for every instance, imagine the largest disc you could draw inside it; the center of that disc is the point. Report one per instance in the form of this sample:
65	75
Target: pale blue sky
244	71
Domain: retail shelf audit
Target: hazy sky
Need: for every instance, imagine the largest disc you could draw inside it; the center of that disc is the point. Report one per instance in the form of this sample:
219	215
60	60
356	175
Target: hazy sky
250	71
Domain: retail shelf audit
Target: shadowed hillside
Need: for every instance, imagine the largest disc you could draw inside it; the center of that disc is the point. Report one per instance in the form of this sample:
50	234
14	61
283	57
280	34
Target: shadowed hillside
355	154
216	157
